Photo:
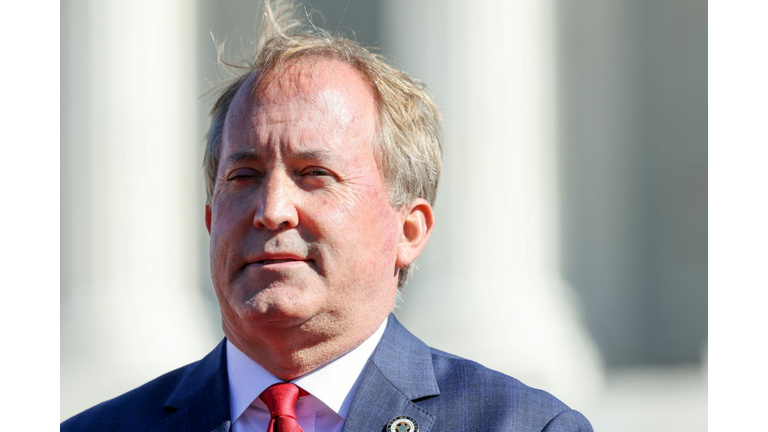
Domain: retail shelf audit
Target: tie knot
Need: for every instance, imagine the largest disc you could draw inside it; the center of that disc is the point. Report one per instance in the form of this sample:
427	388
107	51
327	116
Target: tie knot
281	399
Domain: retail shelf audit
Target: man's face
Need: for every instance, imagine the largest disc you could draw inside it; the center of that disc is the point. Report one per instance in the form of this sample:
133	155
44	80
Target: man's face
302	231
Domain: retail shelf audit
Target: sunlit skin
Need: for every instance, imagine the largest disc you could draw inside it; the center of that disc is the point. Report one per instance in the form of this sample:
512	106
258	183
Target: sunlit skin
305	246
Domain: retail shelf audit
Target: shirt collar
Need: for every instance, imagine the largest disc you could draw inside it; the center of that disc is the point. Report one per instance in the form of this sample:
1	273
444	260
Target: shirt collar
333	384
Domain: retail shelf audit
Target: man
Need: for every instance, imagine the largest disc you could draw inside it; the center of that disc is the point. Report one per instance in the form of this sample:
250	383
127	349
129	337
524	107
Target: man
322	164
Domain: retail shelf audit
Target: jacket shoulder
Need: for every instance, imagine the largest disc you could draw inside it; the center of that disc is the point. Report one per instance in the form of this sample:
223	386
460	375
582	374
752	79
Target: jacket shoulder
135	410
494	400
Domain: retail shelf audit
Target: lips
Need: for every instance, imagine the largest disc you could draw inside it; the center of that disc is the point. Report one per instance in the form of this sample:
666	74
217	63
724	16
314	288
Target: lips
276	261
277	258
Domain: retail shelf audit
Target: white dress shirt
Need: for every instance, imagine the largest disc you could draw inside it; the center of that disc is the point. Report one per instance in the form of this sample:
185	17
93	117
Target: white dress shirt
331	389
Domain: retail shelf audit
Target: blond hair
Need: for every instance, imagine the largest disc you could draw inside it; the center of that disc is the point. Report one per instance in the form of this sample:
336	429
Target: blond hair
408	142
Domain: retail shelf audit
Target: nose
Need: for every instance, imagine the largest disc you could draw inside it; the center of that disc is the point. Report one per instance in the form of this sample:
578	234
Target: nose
276	207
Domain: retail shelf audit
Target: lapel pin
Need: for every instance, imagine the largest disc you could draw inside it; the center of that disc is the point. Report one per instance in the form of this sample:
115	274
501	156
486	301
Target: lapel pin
402	424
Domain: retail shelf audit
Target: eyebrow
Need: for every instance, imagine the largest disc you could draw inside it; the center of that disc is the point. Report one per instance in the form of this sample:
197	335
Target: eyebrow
312	155
252	154
240	156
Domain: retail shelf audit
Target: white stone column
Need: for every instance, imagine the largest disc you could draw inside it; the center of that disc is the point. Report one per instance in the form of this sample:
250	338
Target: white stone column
490	287
131	299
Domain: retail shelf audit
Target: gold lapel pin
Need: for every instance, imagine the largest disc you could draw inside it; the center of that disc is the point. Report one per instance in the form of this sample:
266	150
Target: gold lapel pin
402	424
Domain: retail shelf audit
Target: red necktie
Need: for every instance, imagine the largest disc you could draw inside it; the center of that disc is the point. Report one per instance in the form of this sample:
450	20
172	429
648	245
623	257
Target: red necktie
281	401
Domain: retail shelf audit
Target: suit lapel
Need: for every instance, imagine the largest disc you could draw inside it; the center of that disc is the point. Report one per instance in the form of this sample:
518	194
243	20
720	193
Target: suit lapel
398	372
201	399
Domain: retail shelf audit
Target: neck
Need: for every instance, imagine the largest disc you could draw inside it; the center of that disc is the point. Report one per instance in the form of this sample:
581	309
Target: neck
289	353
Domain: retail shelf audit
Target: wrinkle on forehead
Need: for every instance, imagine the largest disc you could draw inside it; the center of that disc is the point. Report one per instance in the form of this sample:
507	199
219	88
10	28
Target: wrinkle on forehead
332	101
325	83
338	91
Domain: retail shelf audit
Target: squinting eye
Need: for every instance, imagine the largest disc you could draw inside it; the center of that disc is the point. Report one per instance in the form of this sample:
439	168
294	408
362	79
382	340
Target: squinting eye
242	174
317	172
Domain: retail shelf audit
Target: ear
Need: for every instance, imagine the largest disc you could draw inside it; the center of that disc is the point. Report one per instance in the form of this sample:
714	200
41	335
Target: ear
417	226
208	218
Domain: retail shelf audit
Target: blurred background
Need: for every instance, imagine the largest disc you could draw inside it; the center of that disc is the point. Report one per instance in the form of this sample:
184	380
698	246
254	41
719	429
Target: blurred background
571	241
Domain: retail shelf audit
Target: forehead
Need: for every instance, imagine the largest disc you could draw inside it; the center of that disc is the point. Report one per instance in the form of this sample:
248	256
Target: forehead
321	94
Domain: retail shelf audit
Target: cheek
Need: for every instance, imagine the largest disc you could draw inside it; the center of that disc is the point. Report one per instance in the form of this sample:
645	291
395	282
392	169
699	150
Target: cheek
230	212
230	221
375	230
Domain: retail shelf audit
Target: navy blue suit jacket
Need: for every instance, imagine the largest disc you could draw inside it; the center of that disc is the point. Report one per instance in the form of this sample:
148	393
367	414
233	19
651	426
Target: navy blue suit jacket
403	377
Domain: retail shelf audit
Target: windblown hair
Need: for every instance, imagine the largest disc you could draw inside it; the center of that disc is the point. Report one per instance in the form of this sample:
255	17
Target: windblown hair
408	141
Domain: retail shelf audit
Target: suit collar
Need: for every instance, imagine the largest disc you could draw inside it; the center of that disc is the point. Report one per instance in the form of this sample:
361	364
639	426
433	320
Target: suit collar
399	372
201	399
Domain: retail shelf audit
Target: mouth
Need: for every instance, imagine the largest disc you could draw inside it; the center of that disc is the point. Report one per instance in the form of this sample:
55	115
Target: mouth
280	261
275	261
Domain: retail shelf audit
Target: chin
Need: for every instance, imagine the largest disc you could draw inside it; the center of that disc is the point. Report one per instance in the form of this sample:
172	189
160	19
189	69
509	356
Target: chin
274	312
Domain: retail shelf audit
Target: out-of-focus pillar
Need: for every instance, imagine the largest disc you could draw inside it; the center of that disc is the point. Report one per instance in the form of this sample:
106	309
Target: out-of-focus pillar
489	286
131	299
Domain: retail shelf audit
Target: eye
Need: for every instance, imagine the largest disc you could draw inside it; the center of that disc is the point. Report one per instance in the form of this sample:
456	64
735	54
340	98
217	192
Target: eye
316	172
313	177
242	174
